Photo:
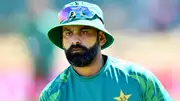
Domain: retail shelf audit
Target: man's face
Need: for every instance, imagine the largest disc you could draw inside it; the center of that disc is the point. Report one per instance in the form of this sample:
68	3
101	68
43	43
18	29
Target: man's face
81	44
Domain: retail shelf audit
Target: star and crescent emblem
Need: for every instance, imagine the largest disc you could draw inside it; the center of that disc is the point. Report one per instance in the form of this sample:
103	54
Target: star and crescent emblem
122	97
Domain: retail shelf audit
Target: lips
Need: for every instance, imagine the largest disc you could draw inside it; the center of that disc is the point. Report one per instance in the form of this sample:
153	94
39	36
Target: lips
77	49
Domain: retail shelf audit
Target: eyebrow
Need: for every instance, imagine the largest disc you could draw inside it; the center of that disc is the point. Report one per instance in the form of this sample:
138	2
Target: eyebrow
86	27
83	28
66	29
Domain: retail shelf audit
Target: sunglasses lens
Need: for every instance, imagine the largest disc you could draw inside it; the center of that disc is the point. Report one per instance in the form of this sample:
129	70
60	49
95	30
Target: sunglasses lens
63	15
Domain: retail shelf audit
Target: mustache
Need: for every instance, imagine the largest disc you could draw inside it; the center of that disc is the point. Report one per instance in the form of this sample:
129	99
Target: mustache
77	46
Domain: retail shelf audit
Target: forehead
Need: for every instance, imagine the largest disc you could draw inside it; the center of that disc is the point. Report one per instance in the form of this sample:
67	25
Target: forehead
77	27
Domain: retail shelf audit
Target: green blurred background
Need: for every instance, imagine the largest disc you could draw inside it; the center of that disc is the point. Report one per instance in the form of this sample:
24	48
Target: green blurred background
145	31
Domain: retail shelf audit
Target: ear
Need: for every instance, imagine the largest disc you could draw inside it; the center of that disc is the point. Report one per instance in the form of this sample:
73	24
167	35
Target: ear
102	38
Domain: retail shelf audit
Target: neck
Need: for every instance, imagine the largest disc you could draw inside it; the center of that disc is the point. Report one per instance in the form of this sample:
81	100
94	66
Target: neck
91	69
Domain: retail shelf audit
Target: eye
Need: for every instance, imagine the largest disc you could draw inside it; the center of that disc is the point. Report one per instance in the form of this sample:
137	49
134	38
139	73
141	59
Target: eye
67	34
84	32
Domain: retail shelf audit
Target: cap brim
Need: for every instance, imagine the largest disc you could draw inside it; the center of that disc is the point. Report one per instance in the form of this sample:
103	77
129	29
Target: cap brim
54	34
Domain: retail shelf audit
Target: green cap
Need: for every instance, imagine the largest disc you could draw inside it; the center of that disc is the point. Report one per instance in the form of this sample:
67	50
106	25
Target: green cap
54	34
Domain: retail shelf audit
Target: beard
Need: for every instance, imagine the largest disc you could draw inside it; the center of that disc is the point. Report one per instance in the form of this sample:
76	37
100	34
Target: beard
82	58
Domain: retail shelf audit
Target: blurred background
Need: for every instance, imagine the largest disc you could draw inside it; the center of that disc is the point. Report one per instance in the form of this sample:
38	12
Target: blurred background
146	32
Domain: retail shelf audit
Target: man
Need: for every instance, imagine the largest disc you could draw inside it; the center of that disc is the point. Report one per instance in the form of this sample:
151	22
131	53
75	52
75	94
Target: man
93	76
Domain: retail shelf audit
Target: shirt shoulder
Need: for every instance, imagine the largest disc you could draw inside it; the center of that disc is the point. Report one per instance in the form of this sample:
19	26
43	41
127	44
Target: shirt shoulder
130	68
53	89
147	81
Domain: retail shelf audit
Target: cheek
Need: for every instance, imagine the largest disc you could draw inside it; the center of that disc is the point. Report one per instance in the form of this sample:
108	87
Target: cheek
90	41
66	44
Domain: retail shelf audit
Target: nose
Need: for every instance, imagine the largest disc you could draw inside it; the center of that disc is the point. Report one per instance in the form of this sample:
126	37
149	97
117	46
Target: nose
76	40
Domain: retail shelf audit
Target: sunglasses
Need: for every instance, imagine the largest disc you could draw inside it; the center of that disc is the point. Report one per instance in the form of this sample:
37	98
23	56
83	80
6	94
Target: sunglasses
77	13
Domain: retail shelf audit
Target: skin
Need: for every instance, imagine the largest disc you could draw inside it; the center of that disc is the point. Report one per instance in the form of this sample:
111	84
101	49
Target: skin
86	36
